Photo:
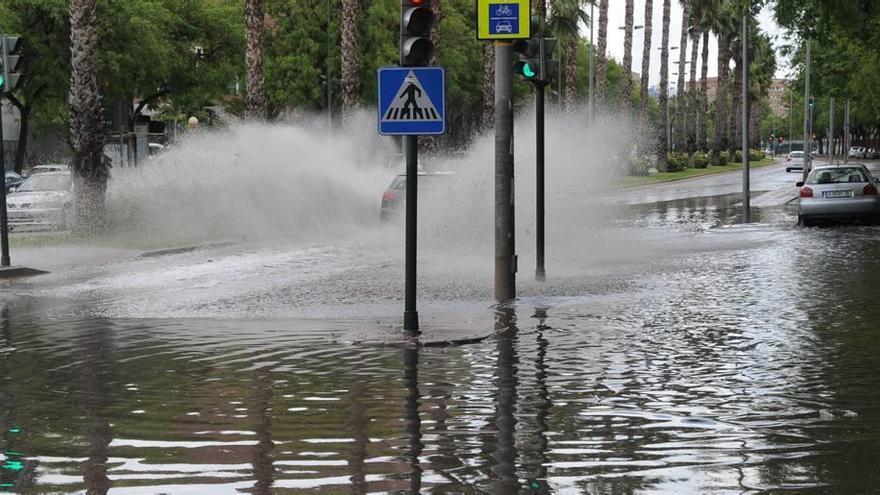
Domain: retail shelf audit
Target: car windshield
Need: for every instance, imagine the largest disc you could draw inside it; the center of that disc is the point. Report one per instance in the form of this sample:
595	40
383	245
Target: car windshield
46	182
797	154
837	175
399	182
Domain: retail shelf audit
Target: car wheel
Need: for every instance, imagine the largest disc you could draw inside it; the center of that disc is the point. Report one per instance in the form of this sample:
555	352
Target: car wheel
787	170
805	221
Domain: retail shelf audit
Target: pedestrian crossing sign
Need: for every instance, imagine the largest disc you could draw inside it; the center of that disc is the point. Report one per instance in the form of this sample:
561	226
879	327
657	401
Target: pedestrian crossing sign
412	101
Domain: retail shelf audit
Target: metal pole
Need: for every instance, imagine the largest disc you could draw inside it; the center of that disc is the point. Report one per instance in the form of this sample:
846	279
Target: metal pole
807	147
411	149
505	244
831	131
540	272
846	133
592	25
790	114
4	226
329	79
745	117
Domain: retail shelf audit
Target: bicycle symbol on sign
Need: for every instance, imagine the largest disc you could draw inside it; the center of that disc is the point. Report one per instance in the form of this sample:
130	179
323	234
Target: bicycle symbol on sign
504	10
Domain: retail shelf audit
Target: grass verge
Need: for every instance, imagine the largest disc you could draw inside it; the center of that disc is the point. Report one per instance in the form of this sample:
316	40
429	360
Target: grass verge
690	173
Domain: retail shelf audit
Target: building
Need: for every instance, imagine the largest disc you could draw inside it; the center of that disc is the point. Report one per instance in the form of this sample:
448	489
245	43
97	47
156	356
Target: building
776	97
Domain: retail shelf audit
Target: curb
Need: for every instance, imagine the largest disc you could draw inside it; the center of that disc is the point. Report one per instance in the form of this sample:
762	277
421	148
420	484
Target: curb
19	271
182	249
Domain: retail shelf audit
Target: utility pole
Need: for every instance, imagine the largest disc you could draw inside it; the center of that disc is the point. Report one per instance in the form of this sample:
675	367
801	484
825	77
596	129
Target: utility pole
4	226
808	144
505	242
790	116
745	116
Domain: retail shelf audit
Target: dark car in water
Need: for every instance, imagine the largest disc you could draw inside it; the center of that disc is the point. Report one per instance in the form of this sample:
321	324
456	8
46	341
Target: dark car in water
394	198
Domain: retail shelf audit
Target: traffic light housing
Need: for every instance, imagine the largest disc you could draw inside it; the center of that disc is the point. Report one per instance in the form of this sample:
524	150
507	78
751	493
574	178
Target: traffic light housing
10	60
416	20
535	54
812	102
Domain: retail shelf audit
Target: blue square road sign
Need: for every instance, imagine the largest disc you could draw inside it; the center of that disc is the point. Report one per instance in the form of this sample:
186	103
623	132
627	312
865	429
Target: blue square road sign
412	101
503	18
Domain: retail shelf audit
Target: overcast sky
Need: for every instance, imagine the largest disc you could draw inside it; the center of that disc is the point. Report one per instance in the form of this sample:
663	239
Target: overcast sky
617	12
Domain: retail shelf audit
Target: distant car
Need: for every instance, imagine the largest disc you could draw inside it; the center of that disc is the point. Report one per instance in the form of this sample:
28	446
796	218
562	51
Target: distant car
42	200
794	161
48	167
12	179
394	198
833	192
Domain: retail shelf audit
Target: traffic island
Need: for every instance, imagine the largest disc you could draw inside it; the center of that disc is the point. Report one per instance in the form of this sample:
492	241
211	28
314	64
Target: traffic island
19	271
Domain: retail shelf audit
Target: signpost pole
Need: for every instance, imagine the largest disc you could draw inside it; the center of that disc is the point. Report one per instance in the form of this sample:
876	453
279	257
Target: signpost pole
505	243
411	150
540	272
4	226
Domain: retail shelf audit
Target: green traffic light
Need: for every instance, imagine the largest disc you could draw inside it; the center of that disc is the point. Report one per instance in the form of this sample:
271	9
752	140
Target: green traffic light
528	72
2	80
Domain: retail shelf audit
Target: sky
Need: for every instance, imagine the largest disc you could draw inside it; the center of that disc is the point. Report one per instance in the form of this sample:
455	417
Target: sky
617	12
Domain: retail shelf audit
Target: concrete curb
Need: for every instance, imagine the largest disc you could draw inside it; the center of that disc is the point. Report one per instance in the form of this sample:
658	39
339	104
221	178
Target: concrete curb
182	249
19	271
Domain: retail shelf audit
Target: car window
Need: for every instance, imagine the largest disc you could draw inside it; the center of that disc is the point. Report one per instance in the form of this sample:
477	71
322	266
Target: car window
839	175
46	182
797	154
399	182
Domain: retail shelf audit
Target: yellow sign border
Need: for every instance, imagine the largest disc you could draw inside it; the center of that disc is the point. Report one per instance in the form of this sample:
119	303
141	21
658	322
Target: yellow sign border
483	20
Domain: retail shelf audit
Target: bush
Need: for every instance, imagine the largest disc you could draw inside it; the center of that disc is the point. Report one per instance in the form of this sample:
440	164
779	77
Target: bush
738	156
724	158
701	160
677	161
756	155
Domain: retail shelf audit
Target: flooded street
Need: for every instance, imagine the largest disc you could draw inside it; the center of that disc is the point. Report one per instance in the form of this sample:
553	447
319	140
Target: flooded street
675	352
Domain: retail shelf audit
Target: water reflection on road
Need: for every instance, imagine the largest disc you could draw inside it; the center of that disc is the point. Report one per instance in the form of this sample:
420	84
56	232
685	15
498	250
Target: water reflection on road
743	364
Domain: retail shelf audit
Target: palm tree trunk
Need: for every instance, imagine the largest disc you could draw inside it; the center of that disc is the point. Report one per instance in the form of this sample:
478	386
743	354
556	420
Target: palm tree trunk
695	117
626	102
704	96
255	92
646	61
720	141
91	168
350	82
681	100
437	7
570	72
488	85
601	61
663	147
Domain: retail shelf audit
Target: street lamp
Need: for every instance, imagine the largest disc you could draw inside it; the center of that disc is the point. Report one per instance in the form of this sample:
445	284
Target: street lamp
634	27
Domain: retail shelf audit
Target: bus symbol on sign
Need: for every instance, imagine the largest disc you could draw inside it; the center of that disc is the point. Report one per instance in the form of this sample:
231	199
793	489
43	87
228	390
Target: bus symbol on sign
503	18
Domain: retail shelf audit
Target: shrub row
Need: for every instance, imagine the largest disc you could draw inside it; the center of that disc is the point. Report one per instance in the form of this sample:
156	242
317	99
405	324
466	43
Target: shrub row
679	161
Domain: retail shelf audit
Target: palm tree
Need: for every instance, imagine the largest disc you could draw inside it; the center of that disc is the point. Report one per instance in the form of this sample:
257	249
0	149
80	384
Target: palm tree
663	148
350	79
601	61
646	60
724	26
695	117
703	130
255	92
566	16
91	169
701	12
627	56
680	99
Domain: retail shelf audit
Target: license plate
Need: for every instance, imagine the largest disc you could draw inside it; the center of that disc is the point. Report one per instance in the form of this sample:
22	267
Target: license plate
838	194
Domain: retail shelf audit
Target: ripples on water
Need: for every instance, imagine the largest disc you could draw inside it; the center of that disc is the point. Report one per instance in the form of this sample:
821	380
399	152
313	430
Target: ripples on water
738	369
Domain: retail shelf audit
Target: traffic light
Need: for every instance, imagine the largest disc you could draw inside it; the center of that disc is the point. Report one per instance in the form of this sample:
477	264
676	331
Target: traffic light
534	62
812	102
416	19
10	59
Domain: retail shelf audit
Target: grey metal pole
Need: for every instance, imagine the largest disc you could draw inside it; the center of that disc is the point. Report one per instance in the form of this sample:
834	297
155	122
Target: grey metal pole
411	149
540	272
592	25
745	117
831	131
4	226
505	244
808	146
790	114
846	133
329	78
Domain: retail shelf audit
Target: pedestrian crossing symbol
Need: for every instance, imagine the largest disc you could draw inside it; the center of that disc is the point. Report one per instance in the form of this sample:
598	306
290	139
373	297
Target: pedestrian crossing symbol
412	101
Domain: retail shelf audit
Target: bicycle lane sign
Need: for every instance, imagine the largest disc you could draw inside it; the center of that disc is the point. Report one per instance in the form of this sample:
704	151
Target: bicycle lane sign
503	19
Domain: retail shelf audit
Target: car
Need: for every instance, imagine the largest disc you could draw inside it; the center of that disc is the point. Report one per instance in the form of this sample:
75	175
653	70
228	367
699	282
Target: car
12	180
504	27
394	198
48	167
838	192
42	200
794	161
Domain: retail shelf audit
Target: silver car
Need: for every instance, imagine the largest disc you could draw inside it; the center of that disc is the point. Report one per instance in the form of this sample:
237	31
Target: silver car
794	161
834	192
42	200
